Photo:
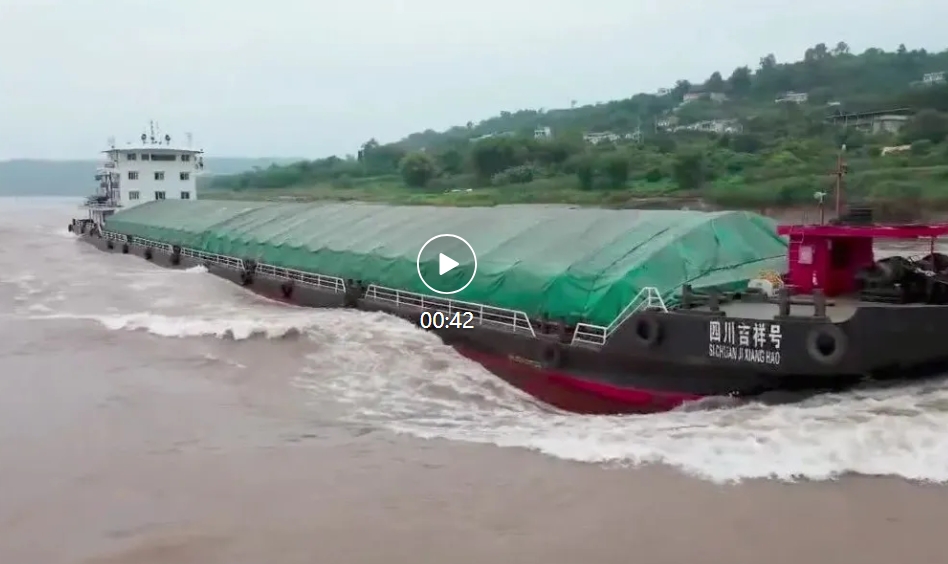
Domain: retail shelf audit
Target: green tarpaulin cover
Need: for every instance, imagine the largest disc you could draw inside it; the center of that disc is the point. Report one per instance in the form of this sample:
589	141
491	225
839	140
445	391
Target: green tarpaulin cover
565	263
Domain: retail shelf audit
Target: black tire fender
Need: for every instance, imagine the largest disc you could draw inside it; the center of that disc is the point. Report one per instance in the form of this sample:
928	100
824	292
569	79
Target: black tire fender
175	255
246	278
286	288
552	355
148	253
827	344
124	248
109	245
647	330
353	293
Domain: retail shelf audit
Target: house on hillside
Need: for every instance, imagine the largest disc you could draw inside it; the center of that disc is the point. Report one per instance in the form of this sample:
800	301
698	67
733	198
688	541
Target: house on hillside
882	121
792	98
693	95
718	126
663	92
542	133
598	137
932	78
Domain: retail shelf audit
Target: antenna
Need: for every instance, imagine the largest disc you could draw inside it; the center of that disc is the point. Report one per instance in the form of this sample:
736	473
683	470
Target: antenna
111	142
190	139
151	127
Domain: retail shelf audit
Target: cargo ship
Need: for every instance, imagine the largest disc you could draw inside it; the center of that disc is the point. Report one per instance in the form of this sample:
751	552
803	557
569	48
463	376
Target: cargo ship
592	311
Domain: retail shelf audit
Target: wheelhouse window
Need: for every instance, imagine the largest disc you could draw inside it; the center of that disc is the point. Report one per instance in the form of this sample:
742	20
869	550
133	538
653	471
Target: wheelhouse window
159	195
134	195
131	156
185	195
144	156
159	175
132	175
163	157
184	175
185	158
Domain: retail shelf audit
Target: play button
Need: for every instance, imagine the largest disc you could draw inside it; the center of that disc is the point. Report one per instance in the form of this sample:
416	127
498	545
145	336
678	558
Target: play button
446	264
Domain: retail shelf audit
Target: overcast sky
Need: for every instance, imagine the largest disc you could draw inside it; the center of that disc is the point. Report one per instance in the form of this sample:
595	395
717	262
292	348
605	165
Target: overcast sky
316	77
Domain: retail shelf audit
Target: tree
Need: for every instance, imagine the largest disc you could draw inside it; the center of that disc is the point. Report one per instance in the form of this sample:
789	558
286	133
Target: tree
688	170
740	80
417	169
927	124
616	167
715	83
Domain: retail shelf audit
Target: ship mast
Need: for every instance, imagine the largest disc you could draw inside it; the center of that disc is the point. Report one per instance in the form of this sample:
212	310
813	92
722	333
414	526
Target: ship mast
839	173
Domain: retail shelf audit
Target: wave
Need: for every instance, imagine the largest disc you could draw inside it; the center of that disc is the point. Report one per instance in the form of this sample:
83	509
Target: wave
233	327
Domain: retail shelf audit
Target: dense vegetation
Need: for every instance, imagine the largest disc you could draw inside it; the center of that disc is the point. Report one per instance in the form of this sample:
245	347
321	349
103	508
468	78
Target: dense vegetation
763	153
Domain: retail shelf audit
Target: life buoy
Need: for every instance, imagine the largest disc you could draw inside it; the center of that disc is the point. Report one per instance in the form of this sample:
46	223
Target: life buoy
287	288
148	253
647	330
175	255
124	248
552	355
827	344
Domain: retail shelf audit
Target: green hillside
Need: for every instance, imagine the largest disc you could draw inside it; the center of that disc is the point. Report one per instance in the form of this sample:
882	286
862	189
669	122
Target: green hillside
33	177
749	137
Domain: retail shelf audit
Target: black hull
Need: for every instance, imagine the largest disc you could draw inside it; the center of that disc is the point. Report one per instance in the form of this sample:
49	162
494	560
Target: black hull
673	362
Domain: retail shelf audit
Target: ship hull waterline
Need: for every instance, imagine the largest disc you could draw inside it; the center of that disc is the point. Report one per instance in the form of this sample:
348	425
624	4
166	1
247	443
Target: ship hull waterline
588	381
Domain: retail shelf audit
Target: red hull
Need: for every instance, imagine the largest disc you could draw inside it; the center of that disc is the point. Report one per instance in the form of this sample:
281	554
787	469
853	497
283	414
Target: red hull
574	394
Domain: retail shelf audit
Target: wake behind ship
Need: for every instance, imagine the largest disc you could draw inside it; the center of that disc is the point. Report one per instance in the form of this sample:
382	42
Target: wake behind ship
589	310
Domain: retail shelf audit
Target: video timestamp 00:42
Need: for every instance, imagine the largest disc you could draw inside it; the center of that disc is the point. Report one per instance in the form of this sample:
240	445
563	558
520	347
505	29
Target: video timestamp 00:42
441	320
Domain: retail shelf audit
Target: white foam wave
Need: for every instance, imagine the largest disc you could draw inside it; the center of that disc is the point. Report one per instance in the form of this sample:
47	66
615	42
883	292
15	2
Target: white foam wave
391	374
225	326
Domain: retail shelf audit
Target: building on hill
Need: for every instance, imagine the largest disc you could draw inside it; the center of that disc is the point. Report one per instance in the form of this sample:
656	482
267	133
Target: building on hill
717	97
882	121
933	78
598	137
542	133
792	98
718	126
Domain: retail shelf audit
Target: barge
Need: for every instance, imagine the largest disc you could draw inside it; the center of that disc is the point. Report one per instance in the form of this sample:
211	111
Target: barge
590	311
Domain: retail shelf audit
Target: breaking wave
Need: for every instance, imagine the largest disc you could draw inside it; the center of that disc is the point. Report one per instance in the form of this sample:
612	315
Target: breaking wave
236	328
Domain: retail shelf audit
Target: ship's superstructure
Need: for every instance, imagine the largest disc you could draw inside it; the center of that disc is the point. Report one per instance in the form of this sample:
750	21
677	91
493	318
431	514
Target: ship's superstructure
150	168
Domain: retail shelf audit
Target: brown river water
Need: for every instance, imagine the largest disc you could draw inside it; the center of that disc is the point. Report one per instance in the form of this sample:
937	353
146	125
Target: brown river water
149	415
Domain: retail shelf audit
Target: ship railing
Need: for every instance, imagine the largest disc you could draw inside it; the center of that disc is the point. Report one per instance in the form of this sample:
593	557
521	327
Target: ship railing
511	320
331	283
268	270
648	299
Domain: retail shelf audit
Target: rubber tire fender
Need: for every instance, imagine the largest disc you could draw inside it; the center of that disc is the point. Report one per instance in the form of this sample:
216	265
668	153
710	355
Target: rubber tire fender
352	295
148	253
552	355
286	288
175	258
840	341
648	330
109	245
124	248
246	278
